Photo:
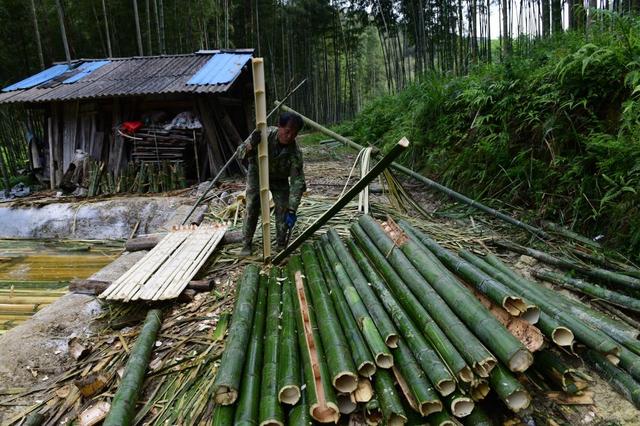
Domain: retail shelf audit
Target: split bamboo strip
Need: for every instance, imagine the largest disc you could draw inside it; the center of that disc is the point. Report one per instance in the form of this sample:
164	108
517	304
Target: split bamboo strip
270	409
228	377
321	397
263	151
484	325
124	401
380	166
288	356
381	353
400	274
344	376
389	401
359	350
380	317
249	397
416	384
589	289
509	389
620	380
561	335
627	283
428	326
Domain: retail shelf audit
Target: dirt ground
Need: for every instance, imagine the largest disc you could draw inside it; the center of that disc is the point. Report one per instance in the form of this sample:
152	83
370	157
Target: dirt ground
34	352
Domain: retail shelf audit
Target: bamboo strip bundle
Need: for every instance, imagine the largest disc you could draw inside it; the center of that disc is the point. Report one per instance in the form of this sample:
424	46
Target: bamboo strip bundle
270	409
288	356
359	350
484	325
343	372
247	408
378	314
589	289
396	271
227	381
323	405
551	327
381	353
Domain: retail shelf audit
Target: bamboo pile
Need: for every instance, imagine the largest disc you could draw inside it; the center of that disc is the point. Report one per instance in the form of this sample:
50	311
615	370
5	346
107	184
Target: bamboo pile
137	177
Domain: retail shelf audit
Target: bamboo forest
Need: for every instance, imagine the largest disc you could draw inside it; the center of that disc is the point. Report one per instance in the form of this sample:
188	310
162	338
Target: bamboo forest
300	212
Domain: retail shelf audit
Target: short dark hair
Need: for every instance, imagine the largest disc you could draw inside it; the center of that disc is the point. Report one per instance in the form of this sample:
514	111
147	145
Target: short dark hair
290	117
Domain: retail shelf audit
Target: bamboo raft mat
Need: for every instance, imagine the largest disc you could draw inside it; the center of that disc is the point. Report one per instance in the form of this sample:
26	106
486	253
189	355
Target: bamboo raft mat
165	271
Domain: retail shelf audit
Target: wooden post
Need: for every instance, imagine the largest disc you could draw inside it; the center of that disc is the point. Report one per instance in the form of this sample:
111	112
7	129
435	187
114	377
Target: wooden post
52	169
263	152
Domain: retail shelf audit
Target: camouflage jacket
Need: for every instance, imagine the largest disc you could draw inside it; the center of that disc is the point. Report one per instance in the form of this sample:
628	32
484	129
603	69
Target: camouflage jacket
285	165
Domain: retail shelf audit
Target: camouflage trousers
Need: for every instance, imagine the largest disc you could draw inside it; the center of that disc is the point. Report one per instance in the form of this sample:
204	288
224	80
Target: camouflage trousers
280	193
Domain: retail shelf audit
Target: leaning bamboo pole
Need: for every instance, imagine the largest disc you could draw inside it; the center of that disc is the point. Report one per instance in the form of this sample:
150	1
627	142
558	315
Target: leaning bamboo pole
263	151
344	376
398	270
483	324
228	377
124	401
428	182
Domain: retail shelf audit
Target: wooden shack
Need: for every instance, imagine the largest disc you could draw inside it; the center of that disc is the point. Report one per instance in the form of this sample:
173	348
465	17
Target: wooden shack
192	109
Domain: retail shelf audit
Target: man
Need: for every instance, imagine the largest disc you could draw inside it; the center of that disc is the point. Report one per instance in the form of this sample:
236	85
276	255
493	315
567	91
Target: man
286	179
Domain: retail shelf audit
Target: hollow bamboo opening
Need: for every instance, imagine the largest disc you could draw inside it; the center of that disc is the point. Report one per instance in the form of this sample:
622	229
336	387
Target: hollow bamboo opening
364	393
289	395
520	361
480	390
271	423
531	314
562	336
328	413
225	395
465	375
430	407
396	419
514	305
484	367
446	387
345	404
391	341
518	400
462	407
384	360
345	382
367	369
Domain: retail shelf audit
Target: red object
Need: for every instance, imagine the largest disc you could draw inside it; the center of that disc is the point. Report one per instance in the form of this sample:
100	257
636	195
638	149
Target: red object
131	126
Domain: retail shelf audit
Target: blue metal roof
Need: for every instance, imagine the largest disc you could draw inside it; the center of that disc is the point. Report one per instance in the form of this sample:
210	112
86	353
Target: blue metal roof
85	69
220	69
39	78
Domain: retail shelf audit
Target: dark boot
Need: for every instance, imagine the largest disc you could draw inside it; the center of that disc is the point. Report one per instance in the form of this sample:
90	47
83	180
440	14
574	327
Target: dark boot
247	250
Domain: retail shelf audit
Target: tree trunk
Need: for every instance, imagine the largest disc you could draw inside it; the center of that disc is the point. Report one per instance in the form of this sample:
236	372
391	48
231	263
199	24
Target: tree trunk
37	33
136	16
556	16
546	18
63	31
149	41
106	28
161	19
506	38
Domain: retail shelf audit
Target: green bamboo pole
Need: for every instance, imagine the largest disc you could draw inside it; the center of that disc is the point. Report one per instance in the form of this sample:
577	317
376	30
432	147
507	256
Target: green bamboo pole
443	418
556	371
629	284
483	324
321	397
425	397
509	389
567	233
378	314
227	381
361	355
398	270
619	380
591	327
388	398
343	372
223	415
299	414
558	333
270	409
630	362
589	289
405	299
381	353
124	401
478	417
288	356
247	410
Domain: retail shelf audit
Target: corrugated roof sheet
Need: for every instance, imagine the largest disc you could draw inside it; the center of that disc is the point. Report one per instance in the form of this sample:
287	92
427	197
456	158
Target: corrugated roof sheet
39	78
220	69
136	76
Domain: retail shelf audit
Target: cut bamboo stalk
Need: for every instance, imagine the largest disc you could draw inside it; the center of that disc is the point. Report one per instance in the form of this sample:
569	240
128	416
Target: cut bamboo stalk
619	380
359	350
589	289
479	389
556	371
248	405
388	398
263	151
381	353
396	150
509	389
270	408
299	415
124	401
404	297
344	375
364	393
397	270
228	377
380	317
323	406
288	356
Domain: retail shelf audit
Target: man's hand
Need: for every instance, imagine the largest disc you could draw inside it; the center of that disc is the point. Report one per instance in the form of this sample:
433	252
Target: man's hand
243	150
290	219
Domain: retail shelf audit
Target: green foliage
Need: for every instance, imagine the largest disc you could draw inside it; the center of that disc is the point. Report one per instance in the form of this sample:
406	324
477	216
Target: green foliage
556	131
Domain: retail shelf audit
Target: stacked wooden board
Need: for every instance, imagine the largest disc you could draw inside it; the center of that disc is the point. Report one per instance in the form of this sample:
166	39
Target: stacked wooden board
165	271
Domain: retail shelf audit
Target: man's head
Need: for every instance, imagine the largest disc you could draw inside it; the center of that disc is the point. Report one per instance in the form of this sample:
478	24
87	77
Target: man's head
289	124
